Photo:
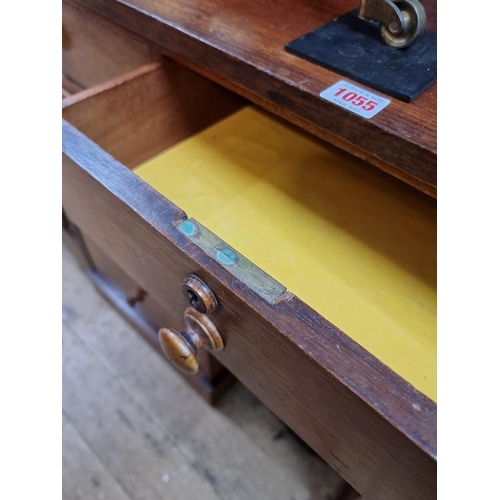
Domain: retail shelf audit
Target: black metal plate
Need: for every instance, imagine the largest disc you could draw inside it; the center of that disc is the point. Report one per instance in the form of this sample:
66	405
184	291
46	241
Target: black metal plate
355	49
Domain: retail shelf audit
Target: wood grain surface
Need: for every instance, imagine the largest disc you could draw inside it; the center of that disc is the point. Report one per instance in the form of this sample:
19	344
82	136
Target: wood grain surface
241	45
148	316
150	108
364	420
93	52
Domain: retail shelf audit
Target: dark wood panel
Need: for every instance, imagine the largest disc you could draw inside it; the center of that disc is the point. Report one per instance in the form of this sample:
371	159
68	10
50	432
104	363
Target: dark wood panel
364	420
72	238
141	113
240	44
69	88
93	52
148	316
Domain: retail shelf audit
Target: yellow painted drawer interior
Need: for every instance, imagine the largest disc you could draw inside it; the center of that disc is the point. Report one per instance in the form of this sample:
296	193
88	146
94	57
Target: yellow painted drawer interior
356	245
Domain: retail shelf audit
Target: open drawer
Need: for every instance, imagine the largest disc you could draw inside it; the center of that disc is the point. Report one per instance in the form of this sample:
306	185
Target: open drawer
363	409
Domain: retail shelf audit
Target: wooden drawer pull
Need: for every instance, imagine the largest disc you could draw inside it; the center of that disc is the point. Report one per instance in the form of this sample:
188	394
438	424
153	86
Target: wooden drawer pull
182	348
199	294
137	297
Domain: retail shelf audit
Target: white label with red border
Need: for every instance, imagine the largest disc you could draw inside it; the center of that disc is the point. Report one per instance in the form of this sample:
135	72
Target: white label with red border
355	99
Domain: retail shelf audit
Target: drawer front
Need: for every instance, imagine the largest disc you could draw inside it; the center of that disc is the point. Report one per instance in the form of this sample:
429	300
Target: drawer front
365	421
93	52
134	301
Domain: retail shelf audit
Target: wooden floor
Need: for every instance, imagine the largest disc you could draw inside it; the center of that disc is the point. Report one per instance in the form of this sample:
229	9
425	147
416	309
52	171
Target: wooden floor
132	429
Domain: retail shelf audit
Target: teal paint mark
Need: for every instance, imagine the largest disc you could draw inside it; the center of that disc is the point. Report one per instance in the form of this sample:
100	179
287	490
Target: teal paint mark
188	228
249	274
226	257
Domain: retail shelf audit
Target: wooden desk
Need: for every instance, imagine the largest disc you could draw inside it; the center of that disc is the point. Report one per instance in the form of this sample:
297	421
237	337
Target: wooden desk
364	418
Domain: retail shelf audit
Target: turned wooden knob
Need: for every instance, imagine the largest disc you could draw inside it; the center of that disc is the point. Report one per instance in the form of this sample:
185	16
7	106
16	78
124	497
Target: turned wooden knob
137	297
199	294
182	348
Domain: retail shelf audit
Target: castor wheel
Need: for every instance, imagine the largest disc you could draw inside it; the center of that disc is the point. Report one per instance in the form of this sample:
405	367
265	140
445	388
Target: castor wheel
401	22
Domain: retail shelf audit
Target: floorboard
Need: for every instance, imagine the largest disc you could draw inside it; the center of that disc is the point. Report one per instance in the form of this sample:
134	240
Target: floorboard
84	475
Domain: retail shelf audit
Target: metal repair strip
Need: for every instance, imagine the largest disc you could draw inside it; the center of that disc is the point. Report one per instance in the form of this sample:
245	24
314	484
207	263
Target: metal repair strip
240	267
